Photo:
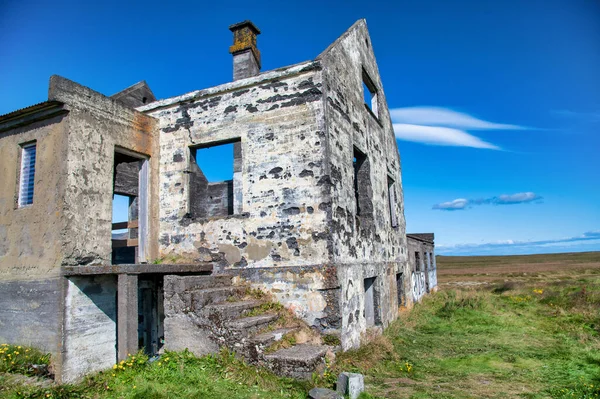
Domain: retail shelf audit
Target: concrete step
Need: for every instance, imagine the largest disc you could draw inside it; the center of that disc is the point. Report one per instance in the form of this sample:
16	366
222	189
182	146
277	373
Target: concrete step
210	296
250	325
299	361
231	310
267	338
179	284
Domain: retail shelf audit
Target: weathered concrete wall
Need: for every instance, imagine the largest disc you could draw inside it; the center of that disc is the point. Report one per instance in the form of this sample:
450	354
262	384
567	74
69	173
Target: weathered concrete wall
31	313
423	270
97	125
31	244
278	118
312	292
30	236
364	245
90	327
181	332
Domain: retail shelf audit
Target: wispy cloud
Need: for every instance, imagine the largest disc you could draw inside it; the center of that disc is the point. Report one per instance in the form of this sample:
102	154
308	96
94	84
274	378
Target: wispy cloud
443	126
511	246
435	135
438	116
504	199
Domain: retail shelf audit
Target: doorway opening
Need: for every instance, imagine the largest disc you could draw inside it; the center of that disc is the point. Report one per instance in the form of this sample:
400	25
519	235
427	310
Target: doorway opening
130	208
151	314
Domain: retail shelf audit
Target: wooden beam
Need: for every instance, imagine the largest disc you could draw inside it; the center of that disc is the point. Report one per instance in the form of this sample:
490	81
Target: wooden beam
132	224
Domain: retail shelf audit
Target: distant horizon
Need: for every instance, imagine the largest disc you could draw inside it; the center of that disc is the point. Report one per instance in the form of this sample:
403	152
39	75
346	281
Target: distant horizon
544	253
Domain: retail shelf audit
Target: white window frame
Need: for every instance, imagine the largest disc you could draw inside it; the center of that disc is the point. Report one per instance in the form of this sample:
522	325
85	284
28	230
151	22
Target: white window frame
27	174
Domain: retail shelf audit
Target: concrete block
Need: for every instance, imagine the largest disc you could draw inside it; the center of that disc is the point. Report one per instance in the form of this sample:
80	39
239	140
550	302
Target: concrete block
351	384
323	393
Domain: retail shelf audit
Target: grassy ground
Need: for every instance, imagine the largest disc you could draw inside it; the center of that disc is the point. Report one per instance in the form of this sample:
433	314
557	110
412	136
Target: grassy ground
511	335
175	375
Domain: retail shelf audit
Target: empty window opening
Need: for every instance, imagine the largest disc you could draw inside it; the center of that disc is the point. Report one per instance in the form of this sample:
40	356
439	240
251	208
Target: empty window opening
370	301
129	209
369	93
144	99
215	180
400	288
392	202
150	314
362	184
418	264
121	233
27	174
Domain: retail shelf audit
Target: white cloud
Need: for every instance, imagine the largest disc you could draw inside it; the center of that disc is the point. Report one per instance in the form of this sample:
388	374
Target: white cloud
435	135
513	246
504	199
517	198
437	116
460	203
443	126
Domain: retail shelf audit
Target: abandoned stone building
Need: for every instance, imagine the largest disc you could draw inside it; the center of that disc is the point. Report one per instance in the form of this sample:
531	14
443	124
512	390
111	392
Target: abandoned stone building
312	213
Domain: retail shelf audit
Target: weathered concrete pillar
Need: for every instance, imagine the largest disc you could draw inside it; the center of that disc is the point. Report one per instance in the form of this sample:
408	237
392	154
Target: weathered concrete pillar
246	57
127	315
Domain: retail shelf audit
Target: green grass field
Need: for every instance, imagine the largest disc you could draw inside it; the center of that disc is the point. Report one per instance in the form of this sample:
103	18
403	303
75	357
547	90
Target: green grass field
529	328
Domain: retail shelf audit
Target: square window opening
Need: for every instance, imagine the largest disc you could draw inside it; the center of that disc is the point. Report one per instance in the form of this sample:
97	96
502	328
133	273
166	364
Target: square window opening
27	174
370	93
215	180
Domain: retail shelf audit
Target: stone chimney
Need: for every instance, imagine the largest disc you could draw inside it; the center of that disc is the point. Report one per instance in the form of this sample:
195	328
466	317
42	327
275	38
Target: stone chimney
246	57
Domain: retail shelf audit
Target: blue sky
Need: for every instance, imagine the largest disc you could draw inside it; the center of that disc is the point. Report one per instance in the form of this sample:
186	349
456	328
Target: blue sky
496	103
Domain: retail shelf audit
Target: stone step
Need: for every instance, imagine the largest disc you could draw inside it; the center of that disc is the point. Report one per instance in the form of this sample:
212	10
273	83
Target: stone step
231	310
299	361
210	296
250	325
178	284
267	338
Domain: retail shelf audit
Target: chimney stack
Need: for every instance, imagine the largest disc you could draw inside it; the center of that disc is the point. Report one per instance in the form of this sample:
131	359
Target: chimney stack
246	57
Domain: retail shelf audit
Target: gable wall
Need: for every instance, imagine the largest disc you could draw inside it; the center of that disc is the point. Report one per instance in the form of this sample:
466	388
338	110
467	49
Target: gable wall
363	246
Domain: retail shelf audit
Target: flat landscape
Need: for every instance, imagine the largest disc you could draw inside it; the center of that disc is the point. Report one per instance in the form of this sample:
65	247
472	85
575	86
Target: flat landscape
489	269
499	327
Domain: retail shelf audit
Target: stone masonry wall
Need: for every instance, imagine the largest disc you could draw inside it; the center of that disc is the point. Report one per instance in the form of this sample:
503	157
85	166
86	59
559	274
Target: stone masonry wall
278	118
423	270
364	246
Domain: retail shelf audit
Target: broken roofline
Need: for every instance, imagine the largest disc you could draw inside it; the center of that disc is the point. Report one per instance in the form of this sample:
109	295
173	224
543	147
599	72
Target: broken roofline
288	71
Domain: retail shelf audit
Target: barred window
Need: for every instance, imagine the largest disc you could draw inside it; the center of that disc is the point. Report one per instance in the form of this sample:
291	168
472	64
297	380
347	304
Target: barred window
27	175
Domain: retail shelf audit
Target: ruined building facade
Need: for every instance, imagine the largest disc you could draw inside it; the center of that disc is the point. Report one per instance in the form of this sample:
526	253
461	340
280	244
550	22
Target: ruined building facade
313	212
